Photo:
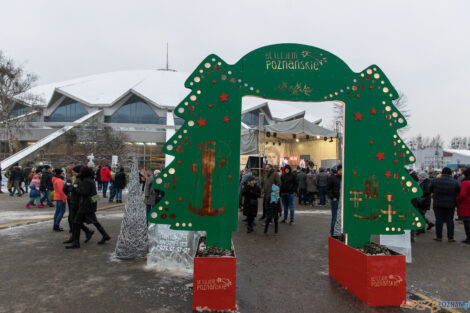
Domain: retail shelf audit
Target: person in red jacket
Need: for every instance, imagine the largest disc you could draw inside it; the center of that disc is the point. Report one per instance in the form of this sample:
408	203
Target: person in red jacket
105	175
463	203
59	197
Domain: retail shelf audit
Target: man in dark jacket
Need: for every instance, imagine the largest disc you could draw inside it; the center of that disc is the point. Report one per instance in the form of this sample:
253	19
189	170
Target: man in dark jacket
302	183
288	188
270	178
46	186
334	191
17	179
445	190
322	183
119	184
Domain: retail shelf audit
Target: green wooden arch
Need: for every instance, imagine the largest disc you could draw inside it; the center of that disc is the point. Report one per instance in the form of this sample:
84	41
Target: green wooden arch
201	184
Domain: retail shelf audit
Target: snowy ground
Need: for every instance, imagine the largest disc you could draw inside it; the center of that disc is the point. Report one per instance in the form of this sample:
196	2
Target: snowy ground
275	274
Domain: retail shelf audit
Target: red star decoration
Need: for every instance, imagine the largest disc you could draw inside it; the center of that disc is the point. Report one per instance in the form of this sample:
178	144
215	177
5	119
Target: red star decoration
380	156
223	97
373	111
210	105
371	142
180	199
354	173
388	174
358	116
213	81
179	162
226	119
229	176
201	122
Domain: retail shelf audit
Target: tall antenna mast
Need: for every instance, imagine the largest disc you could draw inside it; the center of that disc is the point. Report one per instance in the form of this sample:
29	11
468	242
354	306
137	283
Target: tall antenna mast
167	68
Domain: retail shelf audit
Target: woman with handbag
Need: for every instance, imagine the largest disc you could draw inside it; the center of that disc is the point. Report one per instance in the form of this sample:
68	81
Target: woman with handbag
87	207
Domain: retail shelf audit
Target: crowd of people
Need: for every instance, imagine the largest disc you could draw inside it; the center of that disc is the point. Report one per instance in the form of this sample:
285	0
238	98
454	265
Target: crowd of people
279	191
75	186
443	192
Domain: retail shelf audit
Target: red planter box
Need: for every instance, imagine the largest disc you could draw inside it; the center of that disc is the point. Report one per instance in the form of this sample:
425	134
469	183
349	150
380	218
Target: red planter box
214	283
378	280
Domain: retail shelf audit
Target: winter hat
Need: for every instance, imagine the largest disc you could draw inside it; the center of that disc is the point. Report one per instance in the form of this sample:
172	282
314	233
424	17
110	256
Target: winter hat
251	178
446	171
466	172
58	171
77	168
339	167
288	168
85	171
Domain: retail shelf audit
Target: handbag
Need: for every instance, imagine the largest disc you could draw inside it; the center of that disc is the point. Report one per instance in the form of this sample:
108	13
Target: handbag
95	198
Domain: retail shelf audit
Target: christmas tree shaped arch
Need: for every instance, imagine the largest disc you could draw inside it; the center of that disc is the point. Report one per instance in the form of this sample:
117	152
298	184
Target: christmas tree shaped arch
201	184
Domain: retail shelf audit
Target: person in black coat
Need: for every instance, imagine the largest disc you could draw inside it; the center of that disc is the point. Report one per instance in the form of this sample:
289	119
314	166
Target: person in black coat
119	184
423	203
251	193
16	176
288	188
46	186
445	190
87	207
73	199
334	191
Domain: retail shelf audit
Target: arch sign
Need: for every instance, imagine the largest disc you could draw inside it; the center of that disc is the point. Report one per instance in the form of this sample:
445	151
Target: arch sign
201	184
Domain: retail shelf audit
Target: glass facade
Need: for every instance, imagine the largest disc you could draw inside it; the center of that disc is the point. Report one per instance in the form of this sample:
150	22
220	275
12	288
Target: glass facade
68	111
252	118
135	111
179	121
19	109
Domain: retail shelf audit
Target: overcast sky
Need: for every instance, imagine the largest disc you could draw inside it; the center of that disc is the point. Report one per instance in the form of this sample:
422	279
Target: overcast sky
422	46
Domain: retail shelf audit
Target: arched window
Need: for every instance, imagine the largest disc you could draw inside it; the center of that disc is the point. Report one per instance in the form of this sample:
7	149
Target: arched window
252	118
68	111
135	111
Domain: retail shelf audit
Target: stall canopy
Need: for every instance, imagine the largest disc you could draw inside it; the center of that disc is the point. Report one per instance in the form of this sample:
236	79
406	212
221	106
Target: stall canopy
300	126
283	130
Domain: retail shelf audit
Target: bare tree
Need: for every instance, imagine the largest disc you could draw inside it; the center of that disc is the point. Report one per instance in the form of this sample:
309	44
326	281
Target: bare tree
15	86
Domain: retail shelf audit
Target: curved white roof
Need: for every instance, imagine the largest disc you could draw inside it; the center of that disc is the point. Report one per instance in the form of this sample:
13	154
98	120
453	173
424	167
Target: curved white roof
162	88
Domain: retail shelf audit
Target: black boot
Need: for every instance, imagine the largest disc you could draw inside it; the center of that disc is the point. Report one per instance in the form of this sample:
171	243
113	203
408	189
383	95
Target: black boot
70	240
57	228
430	225
75	245
88	233
103	233
75	240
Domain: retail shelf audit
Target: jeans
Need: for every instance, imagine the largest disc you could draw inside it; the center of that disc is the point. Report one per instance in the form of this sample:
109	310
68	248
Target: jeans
112	192
321	191
288	203
334	214
105	188
118	194
46	195
444	216
59	212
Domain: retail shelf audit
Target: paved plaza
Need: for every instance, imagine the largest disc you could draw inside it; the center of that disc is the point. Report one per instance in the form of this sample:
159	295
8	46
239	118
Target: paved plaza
275	274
